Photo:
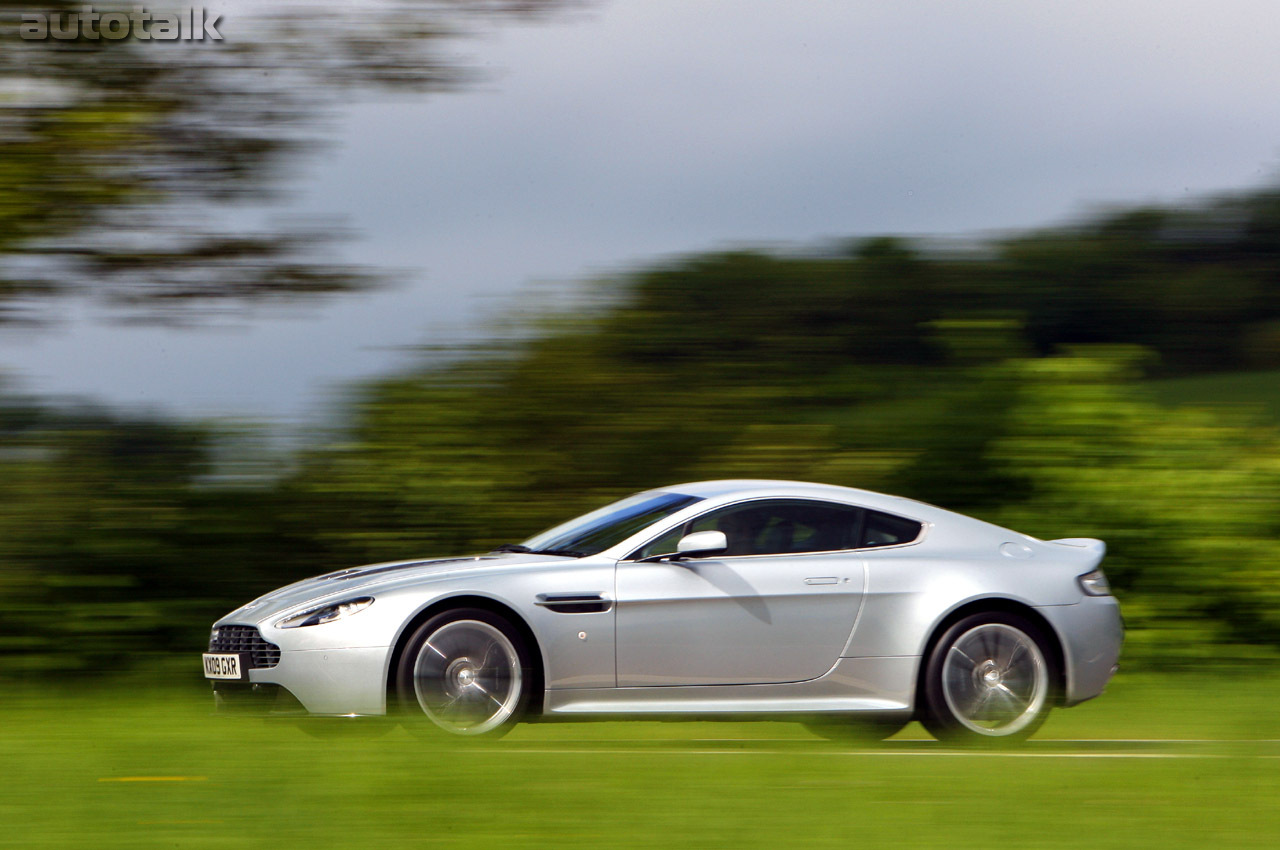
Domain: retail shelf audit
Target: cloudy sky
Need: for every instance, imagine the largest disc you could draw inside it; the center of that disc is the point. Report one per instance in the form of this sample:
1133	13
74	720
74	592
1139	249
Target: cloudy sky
651	127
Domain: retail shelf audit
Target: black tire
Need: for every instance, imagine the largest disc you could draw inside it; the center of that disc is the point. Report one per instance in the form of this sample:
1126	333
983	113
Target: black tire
856	730
465	672
991	678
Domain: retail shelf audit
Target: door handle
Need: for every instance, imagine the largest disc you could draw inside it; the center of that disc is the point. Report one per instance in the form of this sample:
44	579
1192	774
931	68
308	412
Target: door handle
822	580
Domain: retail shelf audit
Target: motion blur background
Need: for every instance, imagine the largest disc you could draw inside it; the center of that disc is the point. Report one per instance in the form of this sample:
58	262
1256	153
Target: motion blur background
812	242
378	281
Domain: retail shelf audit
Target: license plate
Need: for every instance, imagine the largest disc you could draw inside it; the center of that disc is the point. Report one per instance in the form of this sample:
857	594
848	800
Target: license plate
224	666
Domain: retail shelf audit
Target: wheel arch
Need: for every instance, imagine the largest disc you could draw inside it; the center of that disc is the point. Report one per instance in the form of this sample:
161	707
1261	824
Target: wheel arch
484	603
996	605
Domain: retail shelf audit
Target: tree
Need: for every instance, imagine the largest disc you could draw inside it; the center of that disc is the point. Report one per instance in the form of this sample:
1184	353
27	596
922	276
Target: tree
115	155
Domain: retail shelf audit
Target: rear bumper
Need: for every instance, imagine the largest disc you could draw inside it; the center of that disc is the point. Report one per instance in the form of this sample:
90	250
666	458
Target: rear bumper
1091	633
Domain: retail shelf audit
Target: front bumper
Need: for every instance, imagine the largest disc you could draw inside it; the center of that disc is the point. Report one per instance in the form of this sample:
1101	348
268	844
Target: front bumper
247	699
314	681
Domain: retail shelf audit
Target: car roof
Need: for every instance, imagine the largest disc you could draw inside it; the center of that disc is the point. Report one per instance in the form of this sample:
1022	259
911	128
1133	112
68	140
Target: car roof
745	488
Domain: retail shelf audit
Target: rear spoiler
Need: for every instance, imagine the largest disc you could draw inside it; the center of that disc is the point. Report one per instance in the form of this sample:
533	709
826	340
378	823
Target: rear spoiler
1083	543
1092	550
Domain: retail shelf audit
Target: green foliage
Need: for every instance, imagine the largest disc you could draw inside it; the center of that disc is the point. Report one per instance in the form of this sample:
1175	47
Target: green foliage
1000	378
1009	383
1068	445
1186	499
1244	392
114	546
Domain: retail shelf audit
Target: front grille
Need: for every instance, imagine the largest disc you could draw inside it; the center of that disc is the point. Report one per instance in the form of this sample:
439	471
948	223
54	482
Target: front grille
245	639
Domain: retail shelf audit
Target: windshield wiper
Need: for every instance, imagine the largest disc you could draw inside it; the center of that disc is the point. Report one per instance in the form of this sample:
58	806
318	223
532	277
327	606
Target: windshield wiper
512	547
567	553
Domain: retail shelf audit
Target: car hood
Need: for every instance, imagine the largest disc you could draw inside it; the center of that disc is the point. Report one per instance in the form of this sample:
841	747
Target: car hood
349	582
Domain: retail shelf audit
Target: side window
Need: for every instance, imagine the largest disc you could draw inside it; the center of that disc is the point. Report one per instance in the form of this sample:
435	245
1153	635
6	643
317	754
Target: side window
888	530
779	527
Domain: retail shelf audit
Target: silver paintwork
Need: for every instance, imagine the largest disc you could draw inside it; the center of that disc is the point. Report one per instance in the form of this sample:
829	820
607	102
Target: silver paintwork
702	543
837	631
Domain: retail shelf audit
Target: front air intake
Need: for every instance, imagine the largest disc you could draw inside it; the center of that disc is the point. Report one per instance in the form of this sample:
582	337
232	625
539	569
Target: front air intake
245	639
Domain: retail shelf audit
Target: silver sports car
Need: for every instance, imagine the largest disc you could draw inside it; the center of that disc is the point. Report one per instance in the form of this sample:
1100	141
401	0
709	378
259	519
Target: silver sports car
849	610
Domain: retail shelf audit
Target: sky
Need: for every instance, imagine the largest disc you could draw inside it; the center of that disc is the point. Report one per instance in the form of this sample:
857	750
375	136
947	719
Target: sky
611	138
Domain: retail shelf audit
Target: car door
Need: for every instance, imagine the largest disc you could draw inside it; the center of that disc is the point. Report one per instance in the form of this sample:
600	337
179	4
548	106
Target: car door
778	606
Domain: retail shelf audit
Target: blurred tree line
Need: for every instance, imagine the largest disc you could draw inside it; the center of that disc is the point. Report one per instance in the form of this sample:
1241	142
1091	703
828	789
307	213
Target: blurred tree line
1003	379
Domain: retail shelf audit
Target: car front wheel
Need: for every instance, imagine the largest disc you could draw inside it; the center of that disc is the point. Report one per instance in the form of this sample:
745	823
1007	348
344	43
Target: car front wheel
467	672
990	678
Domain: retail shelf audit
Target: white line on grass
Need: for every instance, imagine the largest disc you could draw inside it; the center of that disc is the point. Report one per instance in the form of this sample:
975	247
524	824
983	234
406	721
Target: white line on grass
930	741
1152	740
854	753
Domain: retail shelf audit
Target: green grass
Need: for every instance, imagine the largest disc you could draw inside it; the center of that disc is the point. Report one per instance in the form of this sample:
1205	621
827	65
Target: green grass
222	782
1258	390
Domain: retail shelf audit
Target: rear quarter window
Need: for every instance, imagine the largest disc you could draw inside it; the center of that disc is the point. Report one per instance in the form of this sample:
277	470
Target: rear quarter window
882	529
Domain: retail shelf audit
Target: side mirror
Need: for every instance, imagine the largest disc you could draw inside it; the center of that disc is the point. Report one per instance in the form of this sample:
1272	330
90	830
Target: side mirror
702	543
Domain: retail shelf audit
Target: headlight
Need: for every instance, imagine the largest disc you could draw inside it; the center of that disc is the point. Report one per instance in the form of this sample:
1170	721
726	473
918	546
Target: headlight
326	613
1095	584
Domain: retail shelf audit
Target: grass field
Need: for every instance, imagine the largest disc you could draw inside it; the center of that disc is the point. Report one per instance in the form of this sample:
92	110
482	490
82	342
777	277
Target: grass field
149	767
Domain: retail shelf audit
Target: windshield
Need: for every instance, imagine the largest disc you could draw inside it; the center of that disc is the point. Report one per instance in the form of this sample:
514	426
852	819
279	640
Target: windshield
610	525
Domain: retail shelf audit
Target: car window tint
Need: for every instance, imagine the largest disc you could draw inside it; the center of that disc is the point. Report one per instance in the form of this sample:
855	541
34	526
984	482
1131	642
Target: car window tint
783	527
888	530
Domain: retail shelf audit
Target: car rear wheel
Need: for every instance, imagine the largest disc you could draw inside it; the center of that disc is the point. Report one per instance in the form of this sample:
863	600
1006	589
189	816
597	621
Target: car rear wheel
990	678
466	672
